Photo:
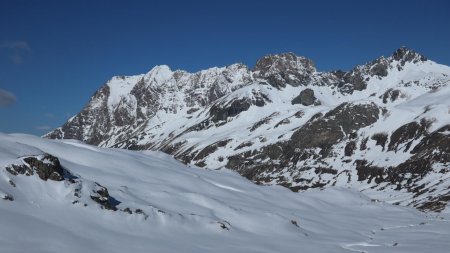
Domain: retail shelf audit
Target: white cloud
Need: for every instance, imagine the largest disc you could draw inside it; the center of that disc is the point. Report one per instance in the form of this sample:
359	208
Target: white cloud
6	98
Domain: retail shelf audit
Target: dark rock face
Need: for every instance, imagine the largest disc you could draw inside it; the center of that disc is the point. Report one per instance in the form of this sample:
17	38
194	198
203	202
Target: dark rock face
356	78
404	55
8	197
380	138
94	117
335	125
262	122
406	134
47	168
146	97
321	132
211	149
101	196
306	98
223	113
350	148
283	69
391	95
369	172
379	69
352	81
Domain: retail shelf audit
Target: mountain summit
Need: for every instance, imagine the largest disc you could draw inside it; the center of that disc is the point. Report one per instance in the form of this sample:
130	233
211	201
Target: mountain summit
282	69
382	127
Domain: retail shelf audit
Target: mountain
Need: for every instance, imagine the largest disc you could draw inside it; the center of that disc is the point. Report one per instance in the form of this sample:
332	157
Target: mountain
382	128
67	196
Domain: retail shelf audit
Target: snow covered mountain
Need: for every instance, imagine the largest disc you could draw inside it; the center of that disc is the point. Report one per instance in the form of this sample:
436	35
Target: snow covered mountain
382	128
67	196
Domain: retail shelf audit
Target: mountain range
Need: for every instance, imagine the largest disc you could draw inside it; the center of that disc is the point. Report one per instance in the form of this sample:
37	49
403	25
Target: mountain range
382	127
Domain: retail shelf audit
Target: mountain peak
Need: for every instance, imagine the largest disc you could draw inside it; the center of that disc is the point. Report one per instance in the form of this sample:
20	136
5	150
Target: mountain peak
404	54
284	68
159	73
284	61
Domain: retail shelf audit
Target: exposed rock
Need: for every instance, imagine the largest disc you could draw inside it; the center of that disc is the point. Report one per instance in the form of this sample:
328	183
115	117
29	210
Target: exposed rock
263	121
282	122
306	98
283	69
381	139
404	55
406	134
8	197
243	145
352	81
234	108
379	69
12	183
211	149
333	126
192	110
363	145
369	172
322	170
19	169
46	166
349	148
101	196
391	95
224	225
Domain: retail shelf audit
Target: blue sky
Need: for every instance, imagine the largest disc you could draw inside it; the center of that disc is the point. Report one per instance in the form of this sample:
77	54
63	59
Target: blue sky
55	54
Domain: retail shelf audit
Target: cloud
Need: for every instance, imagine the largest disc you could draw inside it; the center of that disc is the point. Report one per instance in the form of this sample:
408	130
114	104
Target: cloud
44	128
16	45
6	98
15	50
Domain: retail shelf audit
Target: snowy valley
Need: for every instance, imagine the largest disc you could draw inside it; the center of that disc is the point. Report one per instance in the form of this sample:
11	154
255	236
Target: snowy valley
66	196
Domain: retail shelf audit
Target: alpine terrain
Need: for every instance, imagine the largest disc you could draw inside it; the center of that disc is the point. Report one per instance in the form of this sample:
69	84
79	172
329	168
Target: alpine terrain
277	158
382	128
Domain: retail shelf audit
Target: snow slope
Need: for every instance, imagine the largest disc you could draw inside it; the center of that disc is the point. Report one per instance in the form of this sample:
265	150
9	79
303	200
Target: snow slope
165	206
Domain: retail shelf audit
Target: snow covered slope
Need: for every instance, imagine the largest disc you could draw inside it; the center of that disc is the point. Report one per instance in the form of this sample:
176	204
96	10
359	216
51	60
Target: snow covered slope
66	196
381	127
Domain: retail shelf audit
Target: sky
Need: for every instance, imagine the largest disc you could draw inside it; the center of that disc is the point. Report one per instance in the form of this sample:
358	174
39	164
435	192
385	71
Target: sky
55	54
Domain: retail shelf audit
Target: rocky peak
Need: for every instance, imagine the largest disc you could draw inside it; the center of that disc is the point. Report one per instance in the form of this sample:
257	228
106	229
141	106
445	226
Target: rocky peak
404	54
282	69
